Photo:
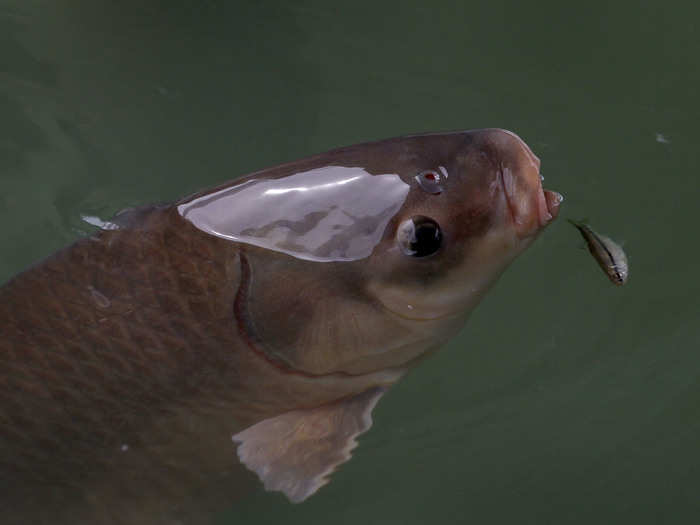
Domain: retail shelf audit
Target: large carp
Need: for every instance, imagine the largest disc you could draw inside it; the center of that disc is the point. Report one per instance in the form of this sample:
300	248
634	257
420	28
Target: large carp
258	322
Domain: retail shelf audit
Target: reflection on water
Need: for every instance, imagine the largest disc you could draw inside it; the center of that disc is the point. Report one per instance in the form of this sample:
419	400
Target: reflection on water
565	400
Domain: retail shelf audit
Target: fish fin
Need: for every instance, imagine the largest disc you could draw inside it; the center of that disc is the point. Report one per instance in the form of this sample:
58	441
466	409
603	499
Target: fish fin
579	223
296	452
582	226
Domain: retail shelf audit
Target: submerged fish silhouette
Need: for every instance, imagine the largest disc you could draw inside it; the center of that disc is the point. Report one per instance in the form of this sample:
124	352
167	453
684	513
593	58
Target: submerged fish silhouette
261	319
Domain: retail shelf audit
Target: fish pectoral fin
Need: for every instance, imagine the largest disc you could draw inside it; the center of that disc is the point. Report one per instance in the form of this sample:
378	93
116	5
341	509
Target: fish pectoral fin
296	452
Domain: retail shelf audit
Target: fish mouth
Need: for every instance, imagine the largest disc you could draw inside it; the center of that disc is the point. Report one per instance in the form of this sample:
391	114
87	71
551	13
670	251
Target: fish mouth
553	200
530	206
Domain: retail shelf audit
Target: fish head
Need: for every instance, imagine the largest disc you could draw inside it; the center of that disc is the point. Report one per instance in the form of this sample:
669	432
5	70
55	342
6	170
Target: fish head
483	190
369	257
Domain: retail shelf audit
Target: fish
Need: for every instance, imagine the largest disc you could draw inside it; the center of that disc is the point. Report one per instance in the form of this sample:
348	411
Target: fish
151	370
610	256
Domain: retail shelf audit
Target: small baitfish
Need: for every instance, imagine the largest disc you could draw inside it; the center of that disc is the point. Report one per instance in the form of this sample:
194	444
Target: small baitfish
610	255
255	324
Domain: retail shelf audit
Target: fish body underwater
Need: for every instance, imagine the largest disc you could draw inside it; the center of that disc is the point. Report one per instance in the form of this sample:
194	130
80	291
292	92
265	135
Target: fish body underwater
255	323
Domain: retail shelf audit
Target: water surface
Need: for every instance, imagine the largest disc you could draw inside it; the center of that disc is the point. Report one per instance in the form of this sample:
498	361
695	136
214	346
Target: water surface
566	399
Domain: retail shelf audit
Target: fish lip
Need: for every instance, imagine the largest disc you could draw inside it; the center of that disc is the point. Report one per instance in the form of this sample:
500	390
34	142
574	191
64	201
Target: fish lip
546	202
553	200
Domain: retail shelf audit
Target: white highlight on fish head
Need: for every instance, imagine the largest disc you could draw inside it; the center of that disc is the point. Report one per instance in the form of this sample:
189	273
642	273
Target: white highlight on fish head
317	187
99	223
333	213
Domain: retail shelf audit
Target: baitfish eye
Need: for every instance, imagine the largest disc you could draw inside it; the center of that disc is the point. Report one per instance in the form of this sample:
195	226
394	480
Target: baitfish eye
419	236
430	181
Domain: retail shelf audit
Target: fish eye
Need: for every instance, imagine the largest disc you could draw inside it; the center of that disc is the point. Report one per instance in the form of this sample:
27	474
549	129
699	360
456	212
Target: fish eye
419	236
430	181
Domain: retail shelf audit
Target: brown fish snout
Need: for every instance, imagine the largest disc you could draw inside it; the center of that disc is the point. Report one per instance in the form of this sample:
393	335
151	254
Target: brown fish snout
531	207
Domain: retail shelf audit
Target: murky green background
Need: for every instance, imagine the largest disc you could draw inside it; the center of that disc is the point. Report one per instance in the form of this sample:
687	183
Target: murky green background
566	400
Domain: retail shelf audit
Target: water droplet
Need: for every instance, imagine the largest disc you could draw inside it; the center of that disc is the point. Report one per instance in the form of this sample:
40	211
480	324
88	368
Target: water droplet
660	138
96	221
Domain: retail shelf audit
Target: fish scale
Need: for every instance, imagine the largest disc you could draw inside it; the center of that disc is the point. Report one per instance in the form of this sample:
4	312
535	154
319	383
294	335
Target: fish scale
97	365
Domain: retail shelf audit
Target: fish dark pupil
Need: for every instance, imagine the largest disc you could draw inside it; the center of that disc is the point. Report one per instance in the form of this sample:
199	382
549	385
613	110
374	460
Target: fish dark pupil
426	238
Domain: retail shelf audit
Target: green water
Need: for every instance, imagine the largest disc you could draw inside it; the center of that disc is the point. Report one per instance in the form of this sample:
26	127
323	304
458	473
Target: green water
565	400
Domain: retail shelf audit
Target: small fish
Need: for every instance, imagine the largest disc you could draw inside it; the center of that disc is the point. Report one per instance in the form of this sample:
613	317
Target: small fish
610	256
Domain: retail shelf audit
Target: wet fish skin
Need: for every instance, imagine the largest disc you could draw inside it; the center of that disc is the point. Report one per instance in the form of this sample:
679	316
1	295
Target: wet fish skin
610	256
129	359
103	406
